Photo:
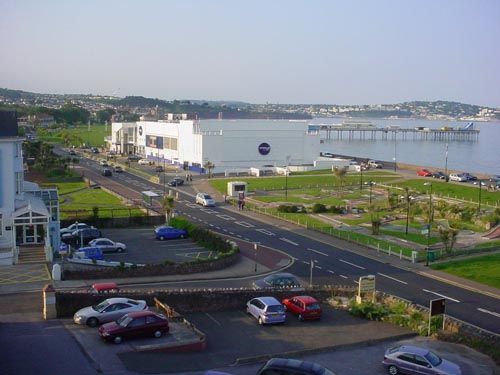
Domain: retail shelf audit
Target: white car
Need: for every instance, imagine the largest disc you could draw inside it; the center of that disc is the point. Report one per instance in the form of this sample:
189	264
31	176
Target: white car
457	177
205	200
144	162
108	310
106	245
73	227
104	163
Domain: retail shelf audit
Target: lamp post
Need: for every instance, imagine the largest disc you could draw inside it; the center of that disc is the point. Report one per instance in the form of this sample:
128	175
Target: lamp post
255	255
395	143
360	177
446	163
479	203
429	226
407	209
371	184
286	177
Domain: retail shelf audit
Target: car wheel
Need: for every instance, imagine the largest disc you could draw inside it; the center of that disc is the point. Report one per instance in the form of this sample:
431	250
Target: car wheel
117	340
92	322
182	236
162	238
119	250
158	334
300	317
261	321
393	370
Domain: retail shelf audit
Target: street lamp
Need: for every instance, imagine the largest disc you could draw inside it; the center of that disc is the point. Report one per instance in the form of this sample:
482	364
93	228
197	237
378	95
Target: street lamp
371	184
286	177
361	177
395	143
446	164
255	255
429	225
407	209
479	204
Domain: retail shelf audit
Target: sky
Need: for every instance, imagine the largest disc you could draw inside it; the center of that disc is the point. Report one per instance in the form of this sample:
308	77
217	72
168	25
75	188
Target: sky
257	51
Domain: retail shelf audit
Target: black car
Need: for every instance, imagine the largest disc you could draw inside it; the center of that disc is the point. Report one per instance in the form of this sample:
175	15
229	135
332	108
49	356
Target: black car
469	176
289	366
278	281
440	175
75	238
133	158
176	181
107	172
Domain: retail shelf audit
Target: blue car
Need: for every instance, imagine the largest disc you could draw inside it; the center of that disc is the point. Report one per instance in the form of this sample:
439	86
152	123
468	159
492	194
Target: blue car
165	232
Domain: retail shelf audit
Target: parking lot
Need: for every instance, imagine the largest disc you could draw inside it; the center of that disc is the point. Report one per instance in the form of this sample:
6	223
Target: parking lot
235	337
142	247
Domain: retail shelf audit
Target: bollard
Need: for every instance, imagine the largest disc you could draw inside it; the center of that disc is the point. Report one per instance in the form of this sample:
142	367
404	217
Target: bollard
49	302
56	272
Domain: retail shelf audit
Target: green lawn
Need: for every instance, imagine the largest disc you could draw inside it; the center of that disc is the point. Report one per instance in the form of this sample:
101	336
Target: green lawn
483	269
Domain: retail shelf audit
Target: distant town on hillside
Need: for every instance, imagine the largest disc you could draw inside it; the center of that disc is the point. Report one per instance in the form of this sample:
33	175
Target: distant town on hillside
83	108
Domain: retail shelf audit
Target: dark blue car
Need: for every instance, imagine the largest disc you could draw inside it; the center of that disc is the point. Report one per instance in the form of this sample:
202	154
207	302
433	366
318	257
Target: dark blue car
165	232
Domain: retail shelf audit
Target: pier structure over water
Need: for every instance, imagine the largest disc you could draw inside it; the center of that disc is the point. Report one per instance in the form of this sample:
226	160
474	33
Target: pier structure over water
365	130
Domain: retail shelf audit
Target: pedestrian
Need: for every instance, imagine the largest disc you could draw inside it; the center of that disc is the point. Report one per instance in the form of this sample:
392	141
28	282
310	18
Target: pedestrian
242	205
239	205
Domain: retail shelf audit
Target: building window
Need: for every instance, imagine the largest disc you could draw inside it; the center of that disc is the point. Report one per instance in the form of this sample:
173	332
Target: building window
19	182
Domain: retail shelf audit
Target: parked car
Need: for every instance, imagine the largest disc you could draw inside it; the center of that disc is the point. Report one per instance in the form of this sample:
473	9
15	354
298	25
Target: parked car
106	245
494	178
176	181
144	162
94	150
285	366
266	310
134	325
305	307
205	199
469	177
107	172
103	163
89	252
159	169
457	177
375	164
289	366
416	360
440	175
103	288
278	280
133	158
108	310
424	173
166	232
74	227
72	152
118	169
86	234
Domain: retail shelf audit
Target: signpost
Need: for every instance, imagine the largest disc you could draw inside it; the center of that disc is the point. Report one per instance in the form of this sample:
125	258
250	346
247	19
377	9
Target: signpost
366	285
437	307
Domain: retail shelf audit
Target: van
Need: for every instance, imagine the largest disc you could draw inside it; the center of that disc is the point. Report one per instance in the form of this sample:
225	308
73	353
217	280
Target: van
94	253
103	288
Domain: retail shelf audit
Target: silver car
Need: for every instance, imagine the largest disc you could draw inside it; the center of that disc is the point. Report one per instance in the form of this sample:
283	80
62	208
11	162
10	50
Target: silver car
266	310
106	245
205	200
416	360
108	310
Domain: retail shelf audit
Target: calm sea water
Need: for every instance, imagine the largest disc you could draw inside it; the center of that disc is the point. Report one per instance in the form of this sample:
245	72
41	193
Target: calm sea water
481	155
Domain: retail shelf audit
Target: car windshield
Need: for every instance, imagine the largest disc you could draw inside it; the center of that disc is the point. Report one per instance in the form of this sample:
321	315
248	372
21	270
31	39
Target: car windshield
433	358
313	306
124	321
100	307
274	308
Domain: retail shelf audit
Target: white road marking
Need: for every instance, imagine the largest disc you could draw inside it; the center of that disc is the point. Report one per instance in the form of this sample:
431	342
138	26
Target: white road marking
226	217
213	319
330	271
264	231
317	252
345	277
192	205
392	278
489	312
289	241
351	264
244	224
208	210
441	295
318	267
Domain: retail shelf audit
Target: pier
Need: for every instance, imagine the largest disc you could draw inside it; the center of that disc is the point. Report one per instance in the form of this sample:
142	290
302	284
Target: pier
395	133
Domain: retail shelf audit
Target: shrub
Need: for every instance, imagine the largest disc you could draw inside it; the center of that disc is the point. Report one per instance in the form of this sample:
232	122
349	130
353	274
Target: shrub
319	208
368	310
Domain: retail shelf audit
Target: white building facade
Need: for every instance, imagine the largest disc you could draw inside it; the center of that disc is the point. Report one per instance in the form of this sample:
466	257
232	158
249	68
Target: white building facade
29	216
230	145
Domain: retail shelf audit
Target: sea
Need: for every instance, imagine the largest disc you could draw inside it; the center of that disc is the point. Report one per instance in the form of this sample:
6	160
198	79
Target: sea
480	155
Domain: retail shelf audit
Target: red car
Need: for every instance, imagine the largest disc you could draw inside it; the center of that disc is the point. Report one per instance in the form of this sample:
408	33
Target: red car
305	307
134	324
424	173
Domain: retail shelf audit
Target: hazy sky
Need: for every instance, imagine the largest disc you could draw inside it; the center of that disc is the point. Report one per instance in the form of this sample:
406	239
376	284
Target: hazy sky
276	51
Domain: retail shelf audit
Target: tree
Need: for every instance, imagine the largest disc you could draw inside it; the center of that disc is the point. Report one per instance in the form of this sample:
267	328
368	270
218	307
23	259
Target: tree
168	204
448	236
209	166
340	173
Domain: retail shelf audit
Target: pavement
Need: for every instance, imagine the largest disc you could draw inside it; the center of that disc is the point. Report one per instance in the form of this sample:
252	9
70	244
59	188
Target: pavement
29	278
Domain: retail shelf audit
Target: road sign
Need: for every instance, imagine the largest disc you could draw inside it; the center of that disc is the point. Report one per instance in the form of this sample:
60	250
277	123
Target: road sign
438	306
63	249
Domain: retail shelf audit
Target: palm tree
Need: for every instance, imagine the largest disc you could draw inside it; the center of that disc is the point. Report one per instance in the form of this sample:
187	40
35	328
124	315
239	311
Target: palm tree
168	204
209	166
340	173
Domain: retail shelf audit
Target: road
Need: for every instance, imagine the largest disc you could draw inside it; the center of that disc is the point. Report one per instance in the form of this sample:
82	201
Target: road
335	262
